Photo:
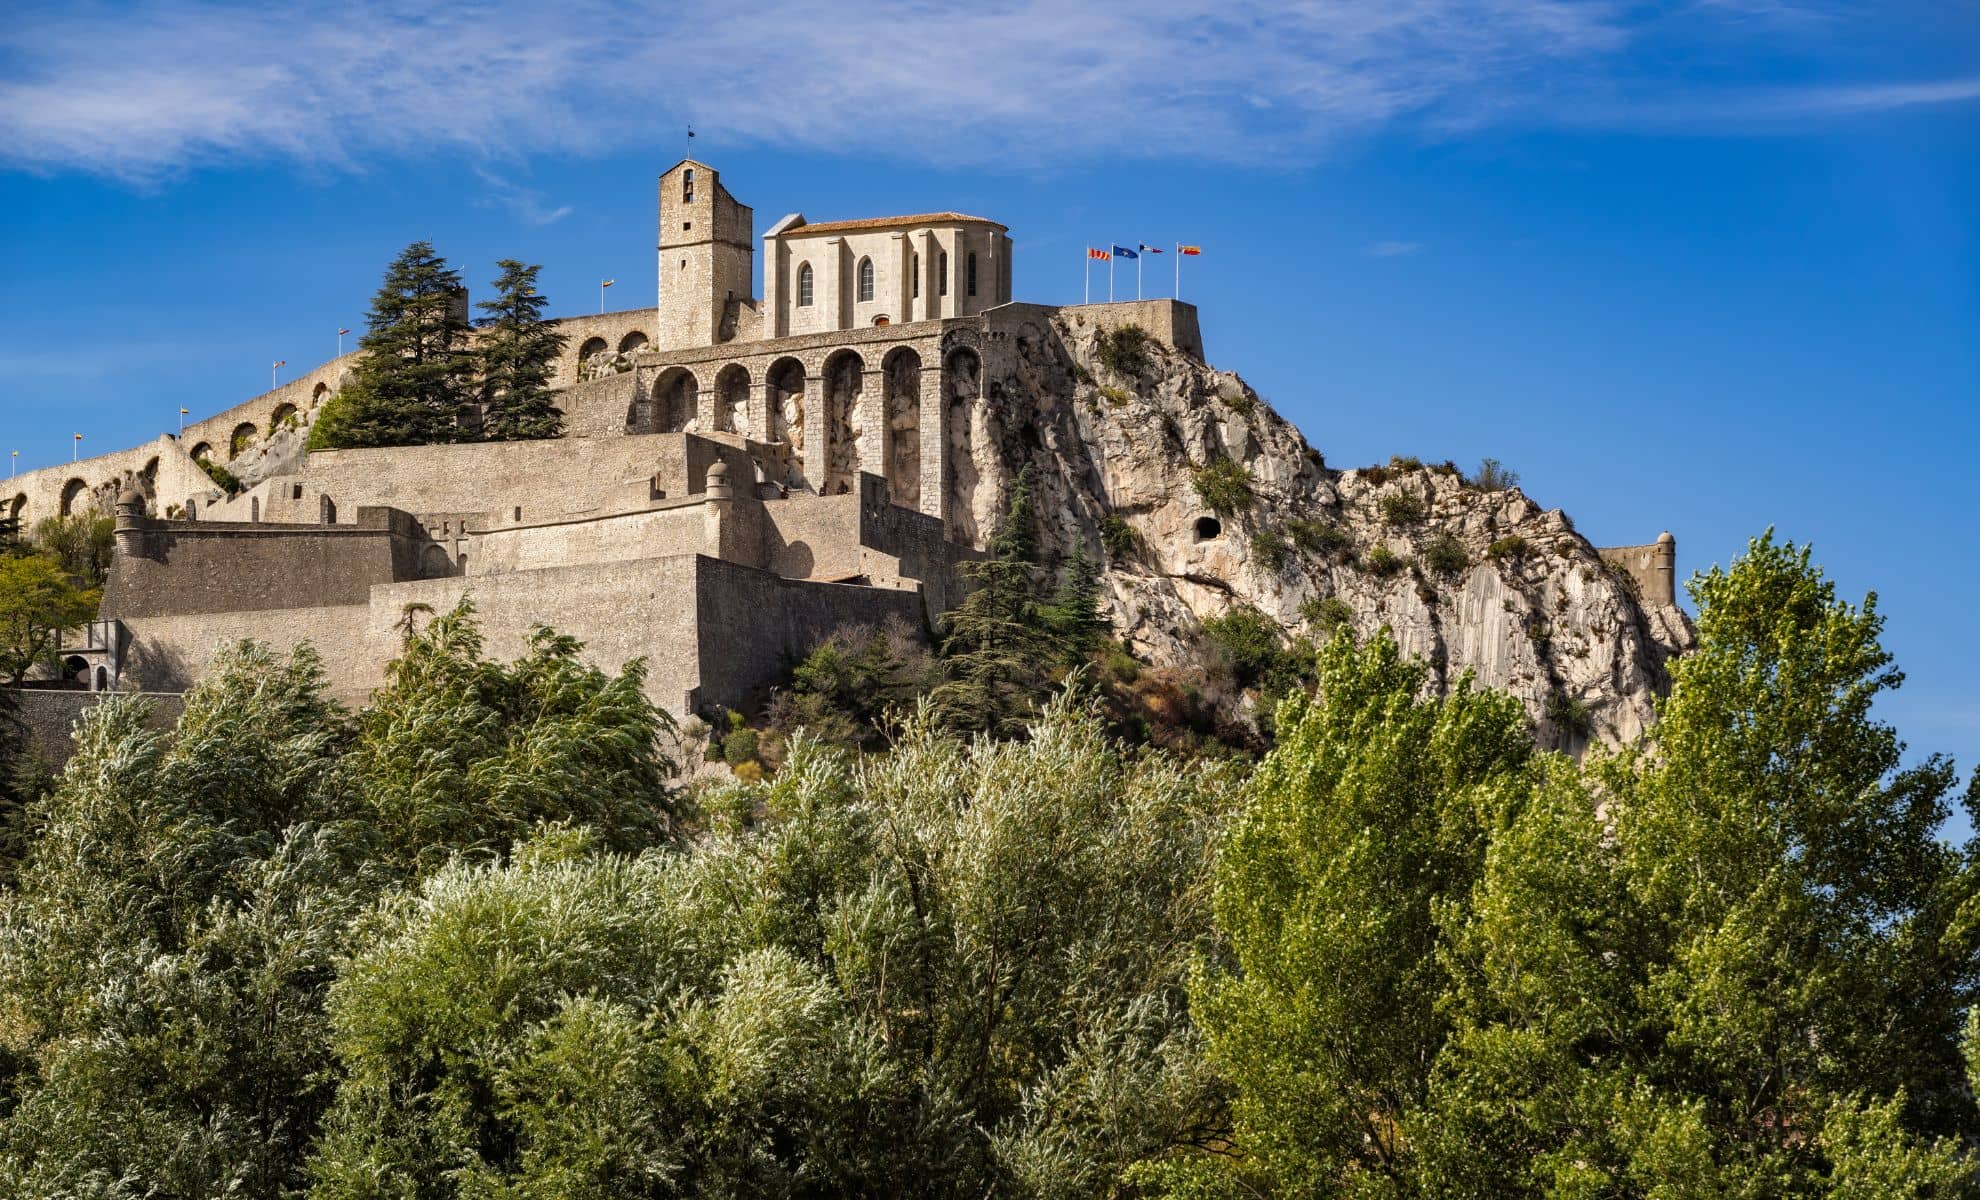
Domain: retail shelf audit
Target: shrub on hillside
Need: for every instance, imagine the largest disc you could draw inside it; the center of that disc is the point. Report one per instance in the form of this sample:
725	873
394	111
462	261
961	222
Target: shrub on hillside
1401	508
1270	548
1317	537
1382	562
1327	614
1124	351
1445	555
1224	486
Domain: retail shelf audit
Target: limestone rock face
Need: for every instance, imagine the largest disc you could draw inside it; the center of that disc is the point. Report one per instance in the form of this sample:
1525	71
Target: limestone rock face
1483	581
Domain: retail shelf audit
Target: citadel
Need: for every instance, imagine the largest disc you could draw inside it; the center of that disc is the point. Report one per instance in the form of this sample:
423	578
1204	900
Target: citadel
744	470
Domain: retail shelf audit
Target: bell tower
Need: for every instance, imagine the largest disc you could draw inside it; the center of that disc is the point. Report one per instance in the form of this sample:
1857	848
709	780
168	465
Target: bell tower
706	257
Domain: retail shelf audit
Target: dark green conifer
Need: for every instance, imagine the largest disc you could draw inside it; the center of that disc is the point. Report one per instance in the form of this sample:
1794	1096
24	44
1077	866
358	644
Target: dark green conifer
1074	616
518	354
413	383
996	645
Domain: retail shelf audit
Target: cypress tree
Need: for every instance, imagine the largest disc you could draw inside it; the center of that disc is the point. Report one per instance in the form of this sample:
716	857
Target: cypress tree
995	643
413	384
1074	615
518	353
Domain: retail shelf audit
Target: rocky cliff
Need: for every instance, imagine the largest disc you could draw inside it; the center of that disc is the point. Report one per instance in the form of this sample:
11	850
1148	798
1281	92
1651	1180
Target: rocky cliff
1125	438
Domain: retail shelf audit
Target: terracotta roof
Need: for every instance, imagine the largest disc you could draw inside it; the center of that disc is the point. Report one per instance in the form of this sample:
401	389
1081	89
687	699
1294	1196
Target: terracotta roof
941	218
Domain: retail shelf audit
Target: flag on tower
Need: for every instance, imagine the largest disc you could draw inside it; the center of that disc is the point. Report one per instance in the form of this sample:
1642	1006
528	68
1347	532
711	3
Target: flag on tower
1189	249
1095	252
1124	252
1148	249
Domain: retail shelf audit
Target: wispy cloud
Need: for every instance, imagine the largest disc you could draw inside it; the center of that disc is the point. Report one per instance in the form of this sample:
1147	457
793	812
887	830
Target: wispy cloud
144	90
1394	249
525	204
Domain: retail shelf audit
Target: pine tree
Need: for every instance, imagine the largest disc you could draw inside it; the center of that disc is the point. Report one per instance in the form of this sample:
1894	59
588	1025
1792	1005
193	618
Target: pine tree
413	383
995	643
1074	615
518	353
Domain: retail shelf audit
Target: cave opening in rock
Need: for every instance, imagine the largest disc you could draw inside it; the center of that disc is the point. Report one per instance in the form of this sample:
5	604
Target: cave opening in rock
1207	528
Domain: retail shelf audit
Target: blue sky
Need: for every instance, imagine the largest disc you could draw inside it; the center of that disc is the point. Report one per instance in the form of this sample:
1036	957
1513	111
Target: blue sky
1707	266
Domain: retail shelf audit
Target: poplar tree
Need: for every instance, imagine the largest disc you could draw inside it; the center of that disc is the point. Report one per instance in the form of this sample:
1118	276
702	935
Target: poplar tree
413	383
518	354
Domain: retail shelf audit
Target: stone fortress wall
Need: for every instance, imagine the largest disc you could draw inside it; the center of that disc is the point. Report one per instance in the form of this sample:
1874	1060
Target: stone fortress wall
715	507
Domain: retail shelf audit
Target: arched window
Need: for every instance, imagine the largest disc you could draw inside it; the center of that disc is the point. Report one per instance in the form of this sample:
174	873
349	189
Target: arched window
915	271
972	274
804	285
866	279
687	186
942	273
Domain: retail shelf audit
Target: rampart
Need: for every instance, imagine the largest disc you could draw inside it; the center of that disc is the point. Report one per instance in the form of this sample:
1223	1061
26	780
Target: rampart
50	716
185	567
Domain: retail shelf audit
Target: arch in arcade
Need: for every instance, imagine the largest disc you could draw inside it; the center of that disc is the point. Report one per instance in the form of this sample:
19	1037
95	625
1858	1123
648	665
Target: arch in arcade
962	384
675	395
732	399
900	374
844	378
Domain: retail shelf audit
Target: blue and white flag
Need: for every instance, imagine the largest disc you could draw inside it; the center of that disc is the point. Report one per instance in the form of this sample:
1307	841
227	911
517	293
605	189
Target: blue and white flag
1124	252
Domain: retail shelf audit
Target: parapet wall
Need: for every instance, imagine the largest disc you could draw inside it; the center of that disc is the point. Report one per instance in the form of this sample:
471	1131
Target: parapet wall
1170	321
184	567
512	481
50	716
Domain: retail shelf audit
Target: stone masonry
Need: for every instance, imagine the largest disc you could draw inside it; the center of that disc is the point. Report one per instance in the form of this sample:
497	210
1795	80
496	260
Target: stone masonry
740	475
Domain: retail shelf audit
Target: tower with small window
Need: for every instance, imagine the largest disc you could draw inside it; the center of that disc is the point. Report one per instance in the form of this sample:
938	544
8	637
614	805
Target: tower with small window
706	258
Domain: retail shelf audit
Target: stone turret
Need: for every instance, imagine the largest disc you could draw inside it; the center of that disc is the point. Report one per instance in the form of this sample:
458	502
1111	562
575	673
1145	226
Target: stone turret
1663	567
130	527
718	511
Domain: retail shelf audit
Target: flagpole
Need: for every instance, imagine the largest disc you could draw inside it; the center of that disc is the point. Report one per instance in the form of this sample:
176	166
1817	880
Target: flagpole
1110	276
1087	272
1178	292
1137	277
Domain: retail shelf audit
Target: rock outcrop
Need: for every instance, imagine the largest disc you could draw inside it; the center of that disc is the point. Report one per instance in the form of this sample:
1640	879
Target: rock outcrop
1476	580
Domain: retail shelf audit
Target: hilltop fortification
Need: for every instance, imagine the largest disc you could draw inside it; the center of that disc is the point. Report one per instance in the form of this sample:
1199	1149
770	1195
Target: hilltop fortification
742	473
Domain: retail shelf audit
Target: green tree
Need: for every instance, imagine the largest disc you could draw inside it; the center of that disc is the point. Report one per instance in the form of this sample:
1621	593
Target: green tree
459	753
1074	615
1367	819
81	544
413	383
995	644
853	687
39	602
953	969
163	955
166	958
518	351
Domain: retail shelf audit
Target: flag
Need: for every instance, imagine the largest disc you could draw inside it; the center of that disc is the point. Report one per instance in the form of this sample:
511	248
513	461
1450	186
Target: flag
1094	253
607	282
1148	249
1189	249
281	362
342	332
1124	252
